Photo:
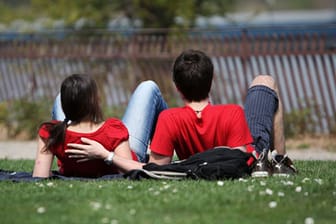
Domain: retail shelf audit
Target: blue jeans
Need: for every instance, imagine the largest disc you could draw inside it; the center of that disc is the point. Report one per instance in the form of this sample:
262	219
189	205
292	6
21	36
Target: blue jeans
140	117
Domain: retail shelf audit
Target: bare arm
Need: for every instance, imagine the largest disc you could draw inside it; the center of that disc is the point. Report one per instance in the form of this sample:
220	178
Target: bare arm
94	150
43	161
159	159
123	158
242	148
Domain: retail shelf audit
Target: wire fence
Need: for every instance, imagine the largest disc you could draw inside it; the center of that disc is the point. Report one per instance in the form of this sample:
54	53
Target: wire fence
301	59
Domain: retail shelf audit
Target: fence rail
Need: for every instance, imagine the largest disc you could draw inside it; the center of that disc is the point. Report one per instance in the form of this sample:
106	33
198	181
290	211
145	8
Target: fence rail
302	60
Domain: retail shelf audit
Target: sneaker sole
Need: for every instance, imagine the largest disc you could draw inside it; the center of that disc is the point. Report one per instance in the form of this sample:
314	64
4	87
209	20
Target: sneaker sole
260	174
281	175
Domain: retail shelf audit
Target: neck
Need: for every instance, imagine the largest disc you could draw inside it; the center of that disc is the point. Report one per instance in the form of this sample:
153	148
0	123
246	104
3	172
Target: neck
84	126
198	106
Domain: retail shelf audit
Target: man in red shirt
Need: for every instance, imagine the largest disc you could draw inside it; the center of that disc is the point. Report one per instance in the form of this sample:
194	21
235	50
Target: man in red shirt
199	125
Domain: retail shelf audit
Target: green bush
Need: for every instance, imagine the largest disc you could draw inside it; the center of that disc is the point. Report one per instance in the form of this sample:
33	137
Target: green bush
3	113
115	111
25	116
298	122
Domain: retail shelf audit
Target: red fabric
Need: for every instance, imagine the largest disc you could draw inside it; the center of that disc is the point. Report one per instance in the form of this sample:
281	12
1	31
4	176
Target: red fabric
110	135
180	129
253	158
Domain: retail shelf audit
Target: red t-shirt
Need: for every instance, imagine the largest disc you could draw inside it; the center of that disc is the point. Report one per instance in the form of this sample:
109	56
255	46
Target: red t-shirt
110	135
180	129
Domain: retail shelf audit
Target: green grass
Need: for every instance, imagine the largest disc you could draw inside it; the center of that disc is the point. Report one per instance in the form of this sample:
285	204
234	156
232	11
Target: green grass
312	194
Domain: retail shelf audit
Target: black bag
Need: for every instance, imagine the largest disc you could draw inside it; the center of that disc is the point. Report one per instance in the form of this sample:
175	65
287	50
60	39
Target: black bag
213	164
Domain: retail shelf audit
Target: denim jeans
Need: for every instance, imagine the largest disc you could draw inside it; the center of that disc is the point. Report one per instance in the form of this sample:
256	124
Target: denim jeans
140	117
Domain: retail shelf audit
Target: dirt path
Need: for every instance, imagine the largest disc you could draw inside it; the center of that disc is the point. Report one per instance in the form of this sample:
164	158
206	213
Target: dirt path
27	150
18	149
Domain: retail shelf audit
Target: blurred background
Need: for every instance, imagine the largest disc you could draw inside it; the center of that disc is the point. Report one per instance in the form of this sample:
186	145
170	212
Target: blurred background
122	43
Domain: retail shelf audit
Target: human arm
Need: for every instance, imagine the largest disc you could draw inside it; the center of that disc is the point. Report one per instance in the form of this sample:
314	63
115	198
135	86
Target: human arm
159	159
91	149
43	161
162	143
242	148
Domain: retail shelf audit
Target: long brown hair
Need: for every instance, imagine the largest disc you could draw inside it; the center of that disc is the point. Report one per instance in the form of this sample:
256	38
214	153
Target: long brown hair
80	101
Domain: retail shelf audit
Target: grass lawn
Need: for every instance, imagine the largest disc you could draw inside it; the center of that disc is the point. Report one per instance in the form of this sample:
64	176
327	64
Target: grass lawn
308	198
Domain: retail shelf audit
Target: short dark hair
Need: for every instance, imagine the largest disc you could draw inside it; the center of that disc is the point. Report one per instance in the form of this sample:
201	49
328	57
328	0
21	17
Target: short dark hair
192	75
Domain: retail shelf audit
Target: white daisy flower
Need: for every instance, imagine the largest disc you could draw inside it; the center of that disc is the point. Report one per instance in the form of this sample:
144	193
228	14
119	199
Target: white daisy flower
166	187
95	205
309	220
272	204
268	191
281	194
306	179
289	183
242	180
250	188
298	189
41	210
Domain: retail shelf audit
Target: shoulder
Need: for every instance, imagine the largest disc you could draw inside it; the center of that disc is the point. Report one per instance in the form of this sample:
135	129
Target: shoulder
228	112
114	123
49	123
171	112
228	108
174	110
114	128
46	127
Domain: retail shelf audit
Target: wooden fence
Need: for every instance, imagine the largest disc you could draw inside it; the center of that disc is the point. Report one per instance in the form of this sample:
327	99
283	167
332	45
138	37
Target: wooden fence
301	59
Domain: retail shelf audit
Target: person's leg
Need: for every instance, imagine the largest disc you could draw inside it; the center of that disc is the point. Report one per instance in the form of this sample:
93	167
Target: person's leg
57	112
141	115
264	114
278	127
261	111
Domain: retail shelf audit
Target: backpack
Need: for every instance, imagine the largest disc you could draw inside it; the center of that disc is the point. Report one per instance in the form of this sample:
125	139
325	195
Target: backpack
213	164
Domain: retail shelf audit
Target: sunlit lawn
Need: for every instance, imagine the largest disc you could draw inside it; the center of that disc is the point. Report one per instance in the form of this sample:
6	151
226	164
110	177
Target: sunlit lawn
307	198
